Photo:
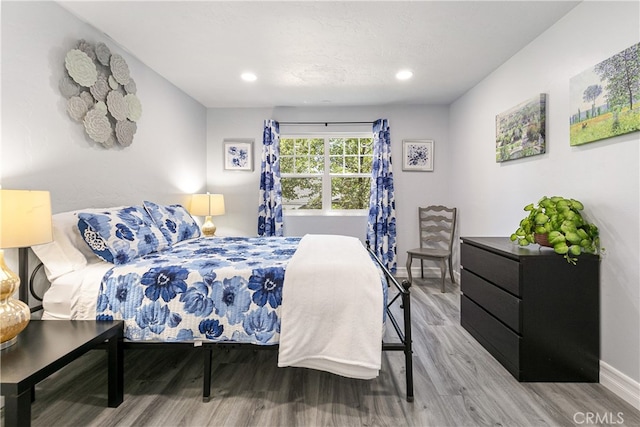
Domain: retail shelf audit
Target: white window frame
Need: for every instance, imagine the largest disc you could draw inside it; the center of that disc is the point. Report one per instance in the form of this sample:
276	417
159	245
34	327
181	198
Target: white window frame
326	176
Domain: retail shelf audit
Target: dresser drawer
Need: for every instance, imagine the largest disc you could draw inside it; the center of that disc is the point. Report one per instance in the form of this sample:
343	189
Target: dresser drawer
499	303
495	268
499	340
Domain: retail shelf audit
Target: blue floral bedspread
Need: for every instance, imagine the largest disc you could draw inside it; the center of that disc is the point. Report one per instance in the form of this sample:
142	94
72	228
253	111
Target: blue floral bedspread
219	289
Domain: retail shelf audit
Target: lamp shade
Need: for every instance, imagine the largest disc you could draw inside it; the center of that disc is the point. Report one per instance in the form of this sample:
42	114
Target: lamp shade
207	204
25	218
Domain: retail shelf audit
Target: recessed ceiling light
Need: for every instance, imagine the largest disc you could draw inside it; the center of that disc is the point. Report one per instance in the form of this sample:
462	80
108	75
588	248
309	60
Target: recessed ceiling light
249	77
404	75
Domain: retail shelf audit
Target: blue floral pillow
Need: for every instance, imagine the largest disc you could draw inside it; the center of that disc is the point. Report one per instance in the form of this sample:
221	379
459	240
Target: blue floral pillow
119	236
174	221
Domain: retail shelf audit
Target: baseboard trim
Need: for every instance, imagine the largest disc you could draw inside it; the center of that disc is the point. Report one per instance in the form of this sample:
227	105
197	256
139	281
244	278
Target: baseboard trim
432	272
620	384
415	271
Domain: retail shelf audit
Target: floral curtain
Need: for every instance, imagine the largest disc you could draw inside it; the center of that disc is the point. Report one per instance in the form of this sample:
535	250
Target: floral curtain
381	227
270	202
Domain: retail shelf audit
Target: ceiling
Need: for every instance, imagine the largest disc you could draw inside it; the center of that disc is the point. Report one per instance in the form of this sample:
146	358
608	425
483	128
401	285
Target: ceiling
321	53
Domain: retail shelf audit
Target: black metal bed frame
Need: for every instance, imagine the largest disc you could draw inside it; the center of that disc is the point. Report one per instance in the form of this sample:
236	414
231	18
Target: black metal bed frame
403	331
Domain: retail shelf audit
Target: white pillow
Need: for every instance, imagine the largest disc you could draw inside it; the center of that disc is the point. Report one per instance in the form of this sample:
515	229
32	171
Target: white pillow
59	256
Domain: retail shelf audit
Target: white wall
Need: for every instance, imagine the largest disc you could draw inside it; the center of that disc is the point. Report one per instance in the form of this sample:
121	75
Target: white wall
412	188
603	175
43	148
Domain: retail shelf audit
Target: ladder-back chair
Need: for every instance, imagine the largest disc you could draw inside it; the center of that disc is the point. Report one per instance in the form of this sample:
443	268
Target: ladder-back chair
437	225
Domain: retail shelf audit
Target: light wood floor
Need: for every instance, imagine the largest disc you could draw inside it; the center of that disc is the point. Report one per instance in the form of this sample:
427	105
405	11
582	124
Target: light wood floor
457	383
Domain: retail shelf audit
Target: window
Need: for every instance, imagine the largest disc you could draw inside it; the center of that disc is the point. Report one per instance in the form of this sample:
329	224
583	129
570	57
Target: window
326	173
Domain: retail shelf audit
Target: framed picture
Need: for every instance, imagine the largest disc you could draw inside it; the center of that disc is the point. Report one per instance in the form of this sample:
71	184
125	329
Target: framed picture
238	154
604	100
520	131
417	155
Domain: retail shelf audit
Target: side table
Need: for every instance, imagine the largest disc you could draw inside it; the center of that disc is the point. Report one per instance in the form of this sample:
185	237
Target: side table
43	348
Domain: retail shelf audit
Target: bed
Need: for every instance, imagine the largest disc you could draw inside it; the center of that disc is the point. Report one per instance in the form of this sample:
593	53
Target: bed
322	301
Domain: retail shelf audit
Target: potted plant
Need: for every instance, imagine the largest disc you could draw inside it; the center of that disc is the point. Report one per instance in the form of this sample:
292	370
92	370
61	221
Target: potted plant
556	222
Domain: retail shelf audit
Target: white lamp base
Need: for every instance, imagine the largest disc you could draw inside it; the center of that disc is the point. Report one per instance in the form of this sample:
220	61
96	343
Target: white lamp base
14	314
208	229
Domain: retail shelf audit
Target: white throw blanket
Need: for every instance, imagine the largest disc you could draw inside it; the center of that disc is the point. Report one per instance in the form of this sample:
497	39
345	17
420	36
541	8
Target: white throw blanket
332	302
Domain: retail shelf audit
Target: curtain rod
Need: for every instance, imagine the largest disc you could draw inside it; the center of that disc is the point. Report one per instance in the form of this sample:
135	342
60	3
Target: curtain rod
326	123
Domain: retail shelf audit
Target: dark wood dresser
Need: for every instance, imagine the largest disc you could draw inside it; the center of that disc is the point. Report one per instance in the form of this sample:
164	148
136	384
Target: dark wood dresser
537	314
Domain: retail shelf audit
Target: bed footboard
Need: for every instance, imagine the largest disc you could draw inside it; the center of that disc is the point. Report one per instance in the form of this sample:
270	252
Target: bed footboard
403	332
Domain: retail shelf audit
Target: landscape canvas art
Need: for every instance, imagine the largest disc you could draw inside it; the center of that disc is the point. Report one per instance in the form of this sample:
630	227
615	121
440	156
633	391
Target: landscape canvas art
520	131
605	99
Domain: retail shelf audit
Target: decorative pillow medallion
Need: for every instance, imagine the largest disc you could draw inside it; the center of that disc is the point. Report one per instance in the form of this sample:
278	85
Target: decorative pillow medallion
174	221
121	235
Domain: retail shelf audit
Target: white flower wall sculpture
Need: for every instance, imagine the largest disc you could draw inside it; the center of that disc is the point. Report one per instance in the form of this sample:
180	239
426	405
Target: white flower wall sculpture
88	99
100	88
81	68
125	131
119	69
133	106
103	53
131	86
117	105
101	94
77	108
97	125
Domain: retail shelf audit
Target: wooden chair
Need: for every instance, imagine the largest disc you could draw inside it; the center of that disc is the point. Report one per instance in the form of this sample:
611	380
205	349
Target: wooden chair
437	226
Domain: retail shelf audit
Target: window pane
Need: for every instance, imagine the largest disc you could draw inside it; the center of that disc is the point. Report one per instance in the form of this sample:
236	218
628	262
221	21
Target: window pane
350	193
302	164
351	164
351	146
301	147
286	146
336	164
301	193
286	164
366	146
336	146
316	164
317	146
366	164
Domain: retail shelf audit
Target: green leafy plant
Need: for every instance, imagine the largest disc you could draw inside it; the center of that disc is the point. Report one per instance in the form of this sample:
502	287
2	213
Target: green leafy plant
558	219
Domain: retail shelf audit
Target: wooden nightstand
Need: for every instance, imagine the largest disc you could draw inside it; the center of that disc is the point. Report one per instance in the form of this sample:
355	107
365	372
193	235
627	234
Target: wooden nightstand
44	347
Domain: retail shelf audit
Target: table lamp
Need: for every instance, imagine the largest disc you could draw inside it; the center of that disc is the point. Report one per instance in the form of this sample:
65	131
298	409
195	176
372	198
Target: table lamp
207	205
25	220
